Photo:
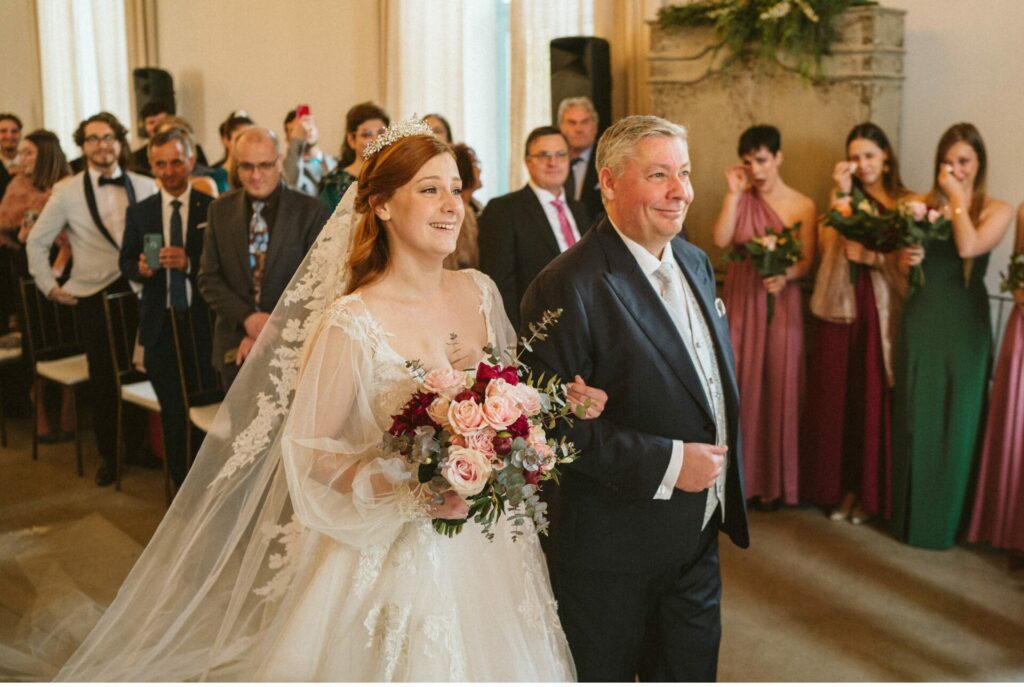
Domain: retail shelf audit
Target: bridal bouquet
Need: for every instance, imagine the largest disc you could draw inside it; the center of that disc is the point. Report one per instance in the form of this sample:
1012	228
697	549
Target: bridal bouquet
1013	278
771	255
481	433
912	223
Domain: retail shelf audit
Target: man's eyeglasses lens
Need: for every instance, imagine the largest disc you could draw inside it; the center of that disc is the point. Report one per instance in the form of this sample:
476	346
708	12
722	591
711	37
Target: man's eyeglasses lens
249	167
550	156
94	139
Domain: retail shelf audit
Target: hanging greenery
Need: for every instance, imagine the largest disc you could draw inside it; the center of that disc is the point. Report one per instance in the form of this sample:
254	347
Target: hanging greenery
801	30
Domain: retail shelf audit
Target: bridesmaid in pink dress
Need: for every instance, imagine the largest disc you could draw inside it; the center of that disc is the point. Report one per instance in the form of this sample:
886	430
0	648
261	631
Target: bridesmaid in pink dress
998	515
846	446
769	356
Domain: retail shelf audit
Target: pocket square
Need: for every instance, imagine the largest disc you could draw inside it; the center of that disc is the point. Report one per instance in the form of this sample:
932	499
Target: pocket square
201	225
720	307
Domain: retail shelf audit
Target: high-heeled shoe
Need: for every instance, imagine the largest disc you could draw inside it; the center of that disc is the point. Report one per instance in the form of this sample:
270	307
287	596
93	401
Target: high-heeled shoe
842	511
858	516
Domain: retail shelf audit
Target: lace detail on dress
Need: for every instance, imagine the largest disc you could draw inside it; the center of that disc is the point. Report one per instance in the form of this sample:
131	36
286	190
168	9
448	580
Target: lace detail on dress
289	536
485	285
387	627
371	560
444	639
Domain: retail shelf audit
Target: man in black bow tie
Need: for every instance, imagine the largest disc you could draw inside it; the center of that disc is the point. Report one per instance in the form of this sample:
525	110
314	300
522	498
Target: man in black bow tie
92	204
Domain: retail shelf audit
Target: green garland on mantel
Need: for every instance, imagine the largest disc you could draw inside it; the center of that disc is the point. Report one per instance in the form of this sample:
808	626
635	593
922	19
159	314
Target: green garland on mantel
802	30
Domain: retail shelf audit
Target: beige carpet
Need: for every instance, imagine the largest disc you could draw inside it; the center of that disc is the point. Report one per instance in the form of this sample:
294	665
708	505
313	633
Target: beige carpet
810	600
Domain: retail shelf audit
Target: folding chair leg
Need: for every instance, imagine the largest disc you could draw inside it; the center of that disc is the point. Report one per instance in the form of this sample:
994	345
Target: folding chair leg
119	452
78	432
37	386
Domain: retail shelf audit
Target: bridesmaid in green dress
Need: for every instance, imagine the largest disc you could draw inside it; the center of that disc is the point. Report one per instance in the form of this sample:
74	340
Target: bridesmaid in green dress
363	123
944	350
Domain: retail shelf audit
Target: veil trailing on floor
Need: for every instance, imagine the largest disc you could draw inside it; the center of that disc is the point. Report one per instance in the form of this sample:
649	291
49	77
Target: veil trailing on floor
207	591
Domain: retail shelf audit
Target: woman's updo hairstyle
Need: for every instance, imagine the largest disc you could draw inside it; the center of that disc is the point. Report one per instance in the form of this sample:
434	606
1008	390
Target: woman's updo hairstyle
383	174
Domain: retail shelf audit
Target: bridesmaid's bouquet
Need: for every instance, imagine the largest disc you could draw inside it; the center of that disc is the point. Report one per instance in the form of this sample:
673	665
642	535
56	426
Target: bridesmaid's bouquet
1013	278
912	223
771	255
481	434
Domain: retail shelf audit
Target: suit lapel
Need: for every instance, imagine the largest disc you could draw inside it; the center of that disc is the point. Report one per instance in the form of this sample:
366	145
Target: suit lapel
194	238
630	284
539	220
278	236
240	237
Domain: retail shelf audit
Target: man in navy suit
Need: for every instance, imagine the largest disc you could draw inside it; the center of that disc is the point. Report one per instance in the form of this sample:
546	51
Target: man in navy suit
178	214
521	232
635	520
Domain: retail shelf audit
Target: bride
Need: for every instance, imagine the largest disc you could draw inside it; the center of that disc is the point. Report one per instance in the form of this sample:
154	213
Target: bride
307	554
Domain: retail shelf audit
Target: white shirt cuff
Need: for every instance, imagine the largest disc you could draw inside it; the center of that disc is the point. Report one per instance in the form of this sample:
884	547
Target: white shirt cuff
675	464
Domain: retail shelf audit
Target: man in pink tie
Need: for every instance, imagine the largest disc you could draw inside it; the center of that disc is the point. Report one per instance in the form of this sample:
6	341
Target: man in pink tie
521	232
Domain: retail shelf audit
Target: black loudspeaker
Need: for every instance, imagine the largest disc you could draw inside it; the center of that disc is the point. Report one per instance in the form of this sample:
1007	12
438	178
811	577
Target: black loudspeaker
580	65
151	84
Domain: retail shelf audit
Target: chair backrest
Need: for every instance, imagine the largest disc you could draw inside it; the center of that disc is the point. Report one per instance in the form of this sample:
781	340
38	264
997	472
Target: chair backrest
51	329
121	311
193	336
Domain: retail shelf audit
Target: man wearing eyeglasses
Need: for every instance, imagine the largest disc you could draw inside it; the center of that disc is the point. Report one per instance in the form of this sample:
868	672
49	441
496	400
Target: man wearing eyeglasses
256	237
92	204
521	232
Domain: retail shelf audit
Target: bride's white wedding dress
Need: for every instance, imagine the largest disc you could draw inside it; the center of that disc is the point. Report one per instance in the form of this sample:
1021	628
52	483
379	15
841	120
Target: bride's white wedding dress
297	550
376	594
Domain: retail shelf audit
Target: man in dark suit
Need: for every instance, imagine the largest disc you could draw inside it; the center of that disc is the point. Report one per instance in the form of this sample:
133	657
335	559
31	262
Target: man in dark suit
521	232
577	120
10	137
634	524
256	239
178	214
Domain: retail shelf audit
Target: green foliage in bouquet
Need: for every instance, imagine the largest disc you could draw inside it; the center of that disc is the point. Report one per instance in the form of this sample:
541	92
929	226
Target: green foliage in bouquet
1013	278
771	255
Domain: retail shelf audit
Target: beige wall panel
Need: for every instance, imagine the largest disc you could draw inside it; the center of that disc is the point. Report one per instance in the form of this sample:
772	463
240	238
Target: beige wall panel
20	90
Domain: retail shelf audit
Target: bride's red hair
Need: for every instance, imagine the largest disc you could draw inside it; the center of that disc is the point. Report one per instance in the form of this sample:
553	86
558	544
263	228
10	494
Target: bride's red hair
381	176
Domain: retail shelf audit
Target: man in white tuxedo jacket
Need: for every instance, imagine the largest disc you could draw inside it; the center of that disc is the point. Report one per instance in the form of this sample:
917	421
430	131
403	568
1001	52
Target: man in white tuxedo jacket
92	204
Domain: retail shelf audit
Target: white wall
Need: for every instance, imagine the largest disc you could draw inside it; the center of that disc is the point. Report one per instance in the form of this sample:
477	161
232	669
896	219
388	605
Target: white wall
963	64
268	56
20	92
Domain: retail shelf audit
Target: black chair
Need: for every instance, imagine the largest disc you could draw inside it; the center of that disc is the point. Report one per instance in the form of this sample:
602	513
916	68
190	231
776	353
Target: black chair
54	348
202	387
121	310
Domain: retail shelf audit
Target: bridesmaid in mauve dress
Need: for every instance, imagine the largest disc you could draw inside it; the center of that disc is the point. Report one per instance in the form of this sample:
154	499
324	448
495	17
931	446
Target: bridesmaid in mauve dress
944	353
846	443
769	355
998	515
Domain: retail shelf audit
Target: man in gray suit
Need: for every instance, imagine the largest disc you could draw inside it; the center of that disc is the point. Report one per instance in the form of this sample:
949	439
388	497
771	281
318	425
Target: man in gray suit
92	204
256	237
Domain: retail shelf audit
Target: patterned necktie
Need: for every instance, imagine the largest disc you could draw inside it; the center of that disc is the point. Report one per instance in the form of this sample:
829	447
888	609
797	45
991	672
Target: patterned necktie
563	222
179	294
259	239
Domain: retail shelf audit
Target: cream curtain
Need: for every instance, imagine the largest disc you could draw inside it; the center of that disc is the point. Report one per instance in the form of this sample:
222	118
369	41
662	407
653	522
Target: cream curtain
533	23
84	63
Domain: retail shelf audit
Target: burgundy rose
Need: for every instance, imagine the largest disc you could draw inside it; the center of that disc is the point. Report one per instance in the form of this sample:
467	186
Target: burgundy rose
520	428
485	373
532	477
502	443
468	395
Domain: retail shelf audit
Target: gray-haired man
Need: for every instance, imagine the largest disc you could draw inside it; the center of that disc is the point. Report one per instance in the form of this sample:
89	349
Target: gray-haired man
634	526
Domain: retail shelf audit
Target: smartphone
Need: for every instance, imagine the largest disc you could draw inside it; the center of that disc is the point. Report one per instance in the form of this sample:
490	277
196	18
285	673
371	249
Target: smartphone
301	111
151	245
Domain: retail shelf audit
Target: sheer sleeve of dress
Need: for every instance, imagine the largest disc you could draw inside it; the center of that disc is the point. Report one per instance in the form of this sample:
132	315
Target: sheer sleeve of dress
340	482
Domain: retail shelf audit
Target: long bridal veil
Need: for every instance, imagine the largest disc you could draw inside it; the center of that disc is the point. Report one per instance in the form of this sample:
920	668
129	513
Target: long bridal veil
208	587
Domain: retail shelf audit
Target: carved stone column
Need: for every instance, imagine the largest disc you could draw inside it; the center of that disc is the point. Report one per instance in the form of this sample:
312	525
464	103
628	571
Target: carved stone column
864	81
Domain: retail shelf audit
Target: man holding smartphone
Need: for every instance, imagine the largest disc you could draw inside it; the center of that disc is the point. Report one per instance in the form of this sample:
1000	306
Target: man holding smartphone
162	248
305	163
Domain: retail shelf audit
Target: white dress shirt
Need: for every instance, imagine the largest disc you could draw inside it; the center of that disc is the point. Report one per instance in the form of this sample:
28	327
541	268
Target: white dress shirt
696	337
96	263
545	197
166	211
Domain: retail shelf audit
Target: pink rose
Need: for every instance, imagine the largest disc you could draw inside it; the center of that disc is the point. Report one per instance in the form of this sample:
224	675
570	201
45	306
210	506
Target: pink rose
537	435
547	456
482	441
933	216
769	241
501	411
447	382
465	417
529	399
917	209
499	387
467	470
438	410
